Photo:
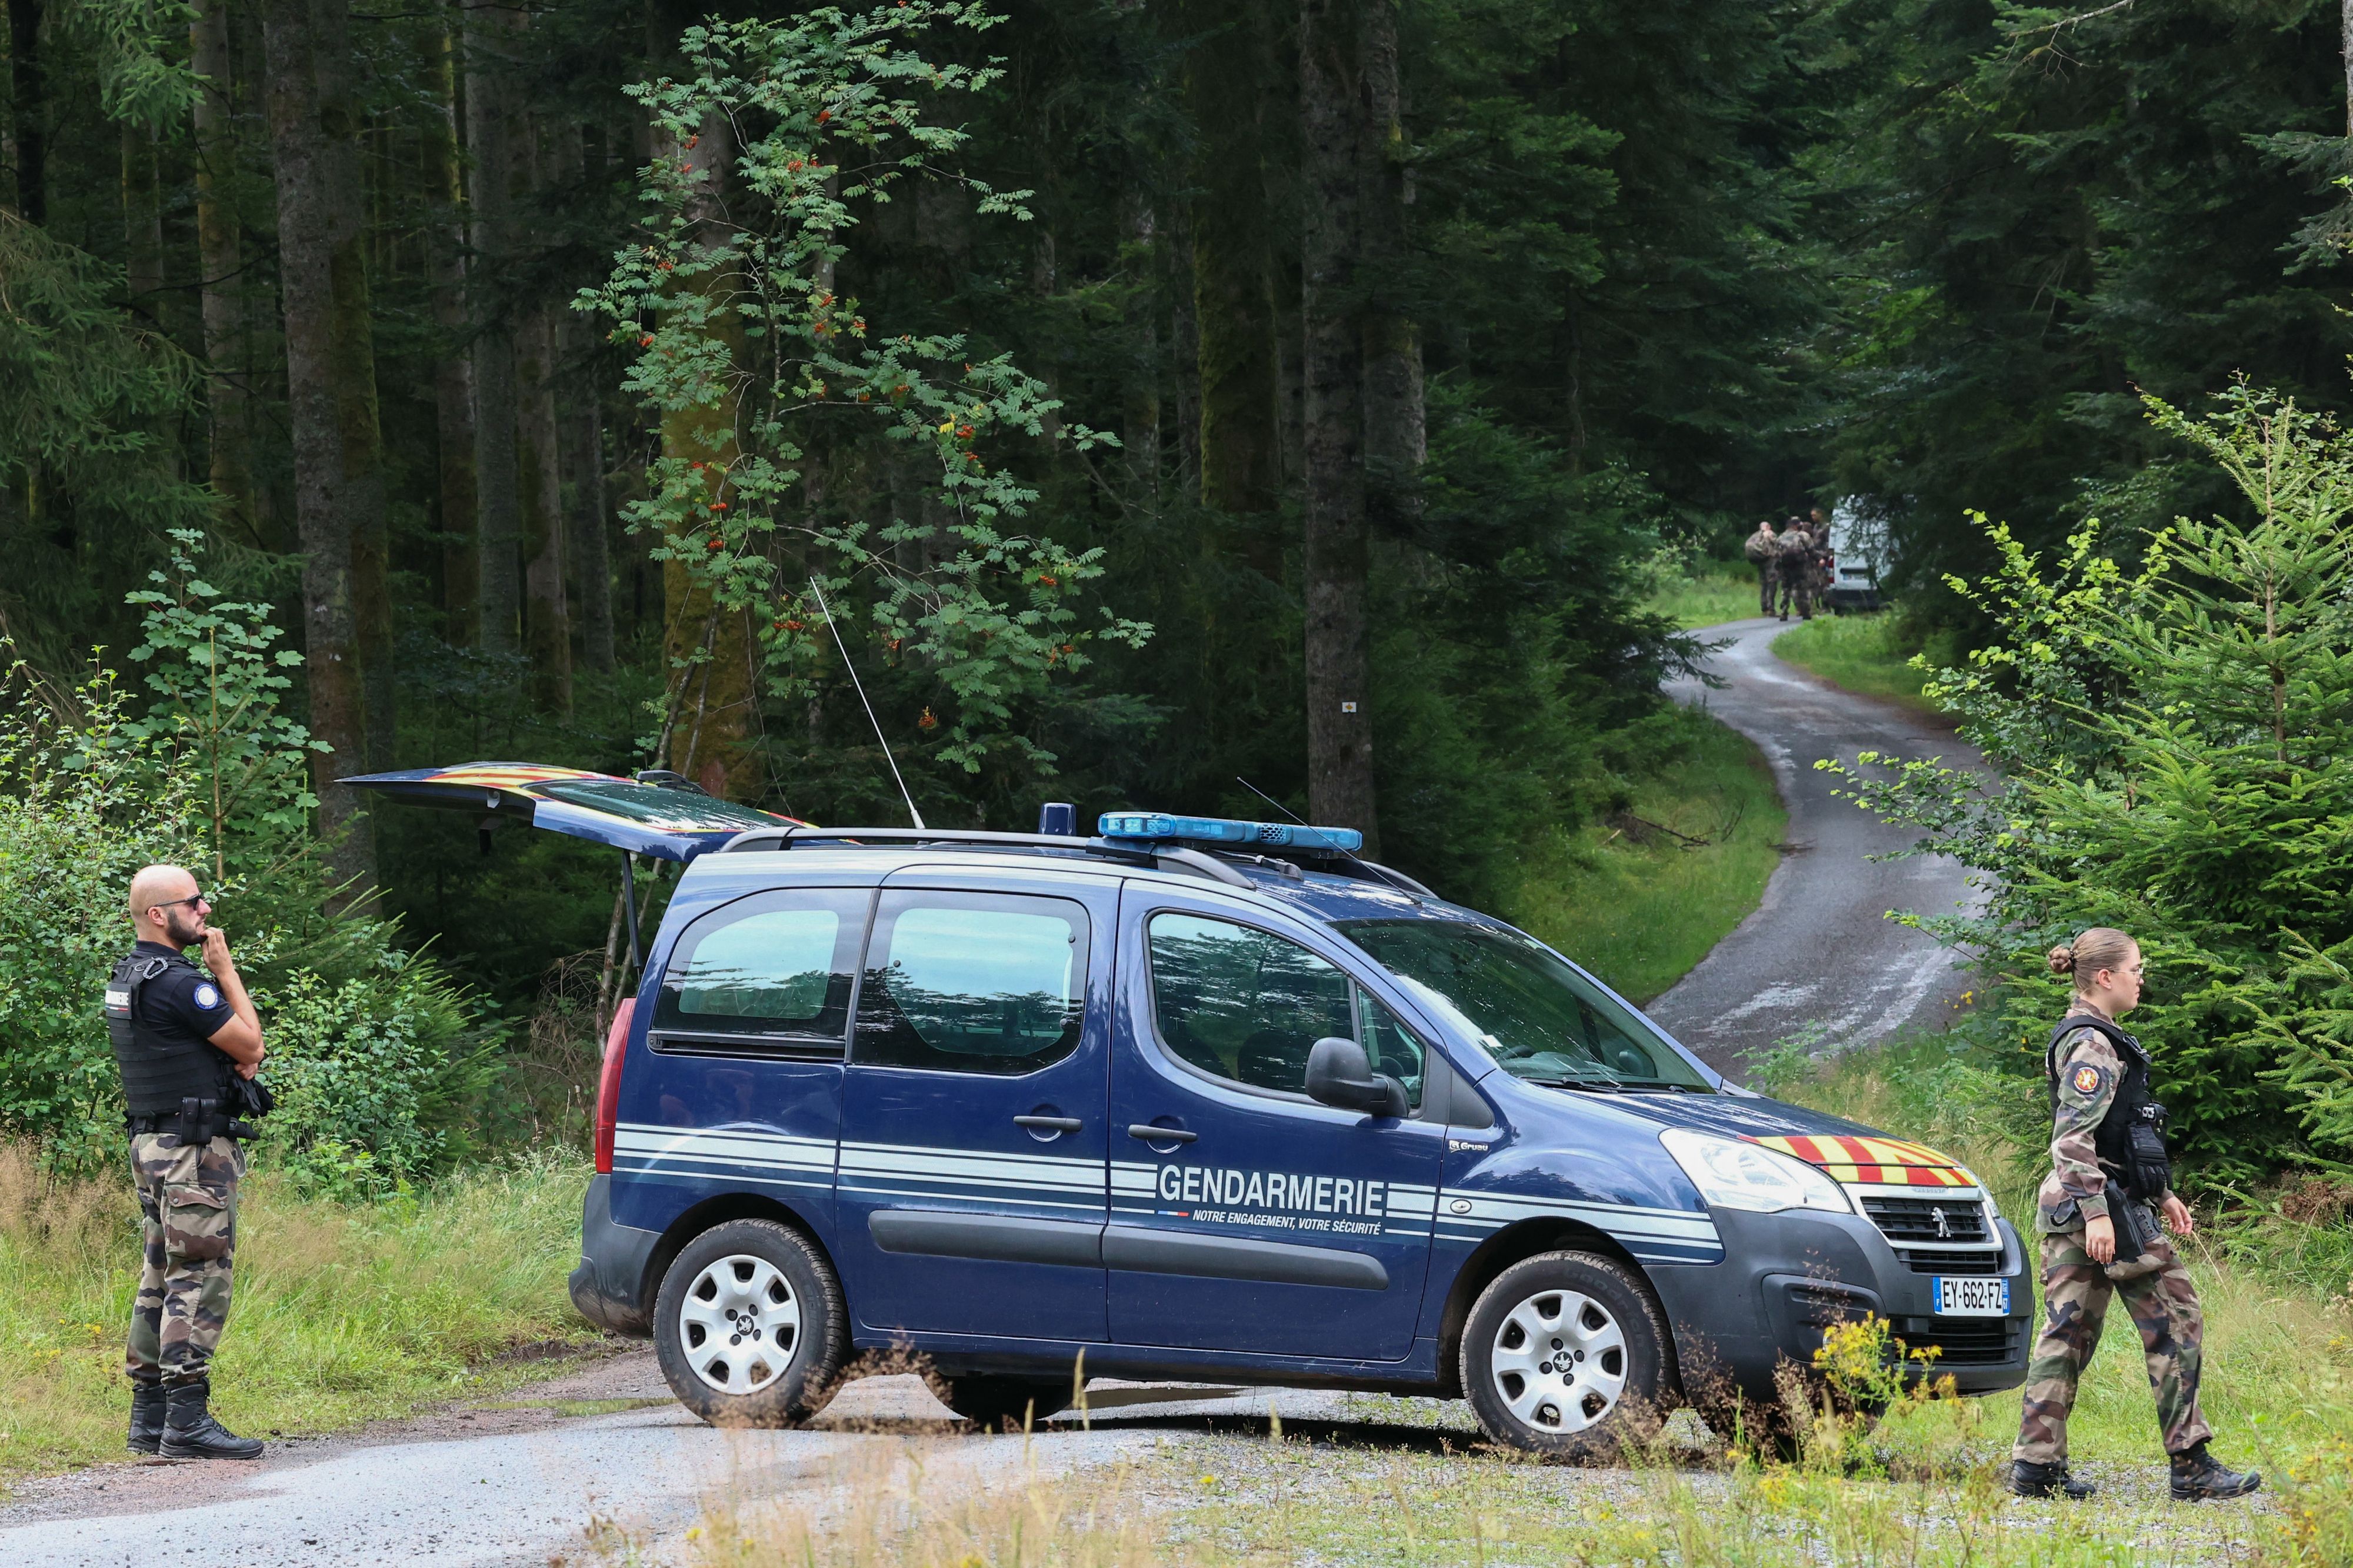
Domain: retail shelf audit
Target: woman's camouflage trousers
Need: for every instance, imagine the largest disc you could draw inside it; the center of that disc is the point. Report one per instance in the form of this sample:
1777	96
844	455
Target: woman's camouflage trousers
2075	1292
187	1205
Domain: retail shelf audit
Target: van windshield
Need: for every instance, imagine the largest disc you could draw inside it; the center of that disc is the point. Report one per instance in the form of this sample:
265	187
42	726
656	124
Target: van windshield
1540	1019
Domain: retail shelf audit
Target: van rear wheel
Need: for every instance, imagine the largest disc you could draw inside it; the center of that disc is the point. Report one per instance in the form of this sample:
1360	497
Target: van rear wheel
1565	1354
998	1404
749	1326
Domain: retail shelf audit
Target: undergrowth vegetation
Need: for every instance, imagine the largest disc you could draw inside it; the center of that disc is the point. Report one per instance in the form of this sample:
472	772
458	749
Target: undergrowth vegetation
1640	896
345	1313
1872	655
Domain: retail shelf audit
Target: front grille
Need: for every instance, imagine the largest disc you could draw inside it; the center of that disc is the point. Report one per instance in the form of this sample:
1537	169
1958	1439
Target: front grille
1950	1262
1927	1220
1982	1342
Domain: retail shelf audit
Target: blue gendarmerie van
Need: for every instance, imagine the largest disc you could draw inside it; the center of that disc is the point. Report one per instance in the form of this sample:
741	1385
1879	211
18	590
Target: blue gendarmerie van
1217	1101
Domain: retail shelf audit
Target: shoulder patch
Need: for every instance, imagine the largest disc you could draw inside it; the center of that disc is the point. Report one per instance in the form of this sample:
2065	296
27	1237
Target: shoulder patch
207	997
2088	1080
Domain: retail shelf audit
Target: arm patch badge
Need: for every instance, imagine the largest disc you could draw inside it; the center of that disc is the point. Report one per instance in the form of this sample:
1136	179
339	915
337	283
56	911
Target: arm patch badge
2088	1080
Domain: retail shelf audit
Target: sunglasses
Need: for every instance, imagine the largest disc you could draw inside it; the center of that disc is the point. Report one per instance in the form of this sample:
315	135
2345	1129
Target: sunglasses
192	900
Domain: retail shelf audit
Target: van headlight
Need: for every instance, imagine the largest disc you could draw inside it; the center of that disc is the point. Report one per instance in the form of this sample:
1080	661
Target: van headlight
1734	1174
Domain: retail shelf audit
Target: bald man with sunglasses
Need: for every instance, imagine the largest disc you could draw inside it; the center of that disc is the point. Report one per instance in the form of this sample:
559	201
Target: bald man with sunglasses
182	1035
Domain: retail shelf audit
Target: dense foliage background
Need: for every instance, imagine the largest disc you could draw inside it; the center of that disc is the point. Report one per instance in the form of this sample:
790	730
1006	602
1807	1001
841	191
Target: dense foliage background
1138	378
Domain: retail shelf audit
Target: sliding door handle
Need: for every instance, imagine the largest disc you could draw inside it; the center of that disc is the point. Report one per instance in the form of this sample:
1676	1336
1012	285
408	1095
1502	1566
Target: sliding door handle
1151	1134
1049	1123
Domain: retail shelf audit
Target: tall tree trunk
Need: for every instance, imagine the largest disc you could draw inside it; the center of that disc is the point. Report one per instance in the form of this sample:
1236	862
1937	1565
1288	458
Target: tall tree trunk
1339	716
453	368
143	222
338	489
1140	393
490	35
30	102
1396	426
228	355
2344	33
1183	351
588	545
710	648
547	628
1227	73
591	539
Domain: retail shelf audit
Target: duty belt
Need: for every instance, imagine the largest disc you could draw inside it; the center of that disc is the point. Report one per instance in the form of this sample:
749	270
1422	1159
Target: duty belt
169	1121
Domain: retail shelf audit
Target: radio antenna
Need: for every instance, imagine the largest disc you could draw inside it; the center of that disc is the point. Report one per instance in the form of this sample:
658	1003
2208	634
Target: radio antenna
857	686
1380	873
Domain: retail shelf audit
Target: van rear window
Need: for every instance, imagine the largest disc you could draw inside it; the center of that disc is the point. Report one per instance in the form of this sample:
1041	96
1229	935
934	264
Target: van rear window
775	965
976	983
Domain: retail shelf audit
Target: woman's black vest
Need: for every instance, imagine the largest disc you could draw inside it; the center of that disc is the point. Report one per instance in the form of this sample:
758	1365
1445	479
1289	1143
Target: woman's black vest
157	1073
2130	1139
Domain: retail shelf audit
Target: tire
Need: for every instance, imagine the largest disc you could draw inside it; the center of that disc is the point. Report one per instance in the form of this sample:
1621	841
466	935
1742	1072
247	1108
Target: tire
1002	1403
1601	1319
759	1272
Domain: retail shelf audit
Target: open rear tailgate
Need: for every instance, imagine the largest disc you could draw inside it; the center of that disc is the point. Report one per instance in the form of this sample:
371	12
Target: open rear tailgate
667	822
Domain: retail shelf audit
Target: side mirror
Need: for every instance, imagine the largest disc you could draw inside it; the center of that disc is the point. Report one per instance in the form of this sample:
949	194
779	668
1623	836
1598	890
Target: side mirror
1340	1074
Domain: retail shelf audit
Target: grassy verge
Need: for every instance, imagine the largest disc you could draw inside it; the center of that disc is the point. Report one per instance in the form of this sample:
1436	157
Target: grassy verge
1638	906
1719	591
1870	655
342	1314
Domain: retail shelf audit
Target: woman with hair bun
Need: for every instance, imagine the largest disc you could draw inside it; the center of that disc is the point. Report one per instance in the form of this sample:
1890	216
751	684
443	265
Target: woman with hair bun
2108	1169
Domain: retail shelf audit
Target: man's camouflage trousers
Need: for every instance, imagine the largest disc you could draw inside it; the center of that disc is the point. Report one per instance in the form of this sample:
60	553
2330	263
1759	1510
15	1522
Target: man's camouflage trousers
2075	1292
187	1205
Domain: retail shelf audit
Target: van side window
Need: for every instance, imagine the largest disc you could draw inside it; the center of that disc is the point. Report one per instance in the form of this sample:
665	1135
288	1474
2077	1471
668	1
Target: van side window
772	969
1242	1003
977	982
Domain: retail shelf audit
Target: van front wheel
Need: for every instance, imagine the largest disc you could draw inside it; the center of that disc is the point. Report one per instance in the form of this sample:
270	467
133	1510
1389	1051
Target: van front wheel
749	1326
1564	1354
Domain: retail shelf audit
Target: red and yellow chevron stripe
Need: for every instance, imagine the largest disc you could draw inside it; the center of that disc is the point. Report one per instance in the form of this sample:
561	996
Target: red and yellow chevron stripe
1889	1162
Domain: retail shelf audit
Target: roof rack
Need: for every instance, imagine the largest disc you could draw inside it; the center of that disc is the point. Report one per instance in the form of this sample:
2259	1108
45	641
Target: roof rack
1167	858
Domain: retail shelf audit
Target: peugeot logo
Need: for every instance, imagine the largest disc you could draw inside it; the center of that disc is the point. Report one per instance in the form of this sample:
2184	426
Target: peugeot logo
1944	1226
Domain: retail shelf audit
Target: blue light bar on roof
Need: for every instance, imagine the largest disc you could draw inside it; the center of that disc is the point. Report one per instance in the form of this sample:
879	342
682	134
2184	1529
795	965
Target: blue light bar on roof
1226	830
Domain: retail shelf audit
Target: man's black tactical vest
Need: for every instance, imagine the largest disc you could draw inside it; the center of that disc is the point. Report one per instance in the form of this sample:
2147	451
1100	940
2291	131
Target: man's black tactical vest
157	1073
2129	1140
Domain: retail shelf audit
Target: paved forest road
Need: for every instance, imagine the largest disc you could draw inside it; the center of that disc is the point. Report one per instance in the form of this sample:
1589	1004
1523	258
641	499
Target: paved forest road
1818	949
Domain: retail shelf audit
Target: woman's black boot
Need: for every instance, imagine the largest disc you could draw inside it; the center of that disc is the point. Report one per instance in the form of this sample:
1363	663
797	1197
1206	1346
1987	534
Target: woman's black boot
2200	1477
2028	1478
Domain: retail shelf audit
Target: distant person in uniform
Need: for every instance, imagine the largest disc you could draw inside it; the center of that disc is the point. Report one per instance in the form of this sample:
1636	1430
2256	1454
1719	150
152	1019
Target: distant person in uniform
180	1034
1793	567
1761	550
1818	525
2109	1170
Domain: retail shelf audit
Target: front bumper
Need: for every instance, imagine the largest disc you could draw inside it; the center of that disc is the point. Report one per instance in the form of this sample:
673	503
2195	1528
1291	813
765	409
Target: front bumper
609	1286
1788	1277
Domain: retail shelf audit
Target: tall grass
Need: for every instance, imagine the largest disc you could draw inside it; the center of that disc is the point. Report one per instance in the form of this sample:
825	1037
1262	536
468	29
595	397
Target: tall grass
1706	595
1867	654
1640	906
340	1313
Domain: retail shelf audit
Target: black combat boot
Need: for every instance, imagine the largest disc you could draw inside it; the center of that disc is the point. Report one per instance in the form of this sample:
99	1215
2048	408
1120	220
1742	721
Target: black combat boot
2028	1478
191	1433
2199	1475
146	1412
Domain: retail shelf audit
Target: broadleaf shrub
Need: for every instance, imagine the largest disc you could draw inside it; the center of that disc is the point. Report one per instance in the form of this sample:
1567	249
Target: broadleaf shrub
385	1067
